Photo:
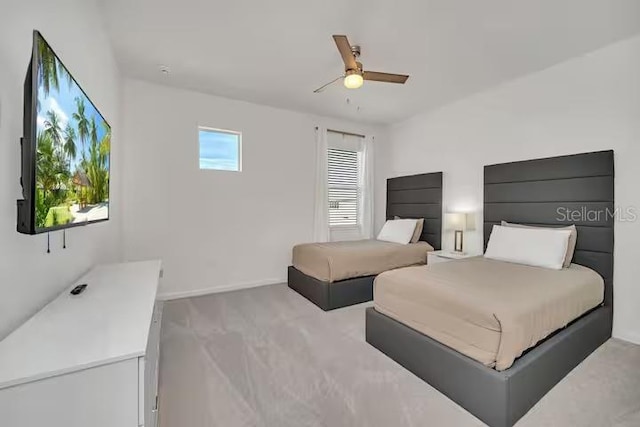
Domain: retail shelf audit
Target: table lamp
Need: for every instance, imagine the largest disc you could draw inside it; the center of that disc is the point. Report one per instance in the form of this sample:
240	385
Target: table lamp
459	222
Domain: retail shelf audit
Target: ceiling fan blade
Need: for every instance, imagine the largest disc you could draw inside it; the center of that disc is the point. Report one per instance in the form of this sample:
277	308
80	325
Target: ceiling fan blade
385	77
321	88
345	51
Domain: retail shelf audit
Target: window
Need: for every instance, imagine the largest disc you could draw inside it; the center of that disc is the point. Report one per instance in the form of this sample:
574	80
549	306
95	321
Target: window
220	149
344	188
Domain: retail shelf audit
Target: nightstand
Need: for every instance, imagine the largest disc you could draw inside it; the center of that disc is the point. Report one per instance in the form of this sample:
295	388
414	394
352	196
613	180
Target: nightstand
444	256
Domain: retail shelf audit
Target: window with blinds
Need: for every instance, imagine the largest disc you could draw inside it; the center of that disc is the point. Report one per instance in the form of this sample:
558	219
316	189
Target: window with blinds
343	186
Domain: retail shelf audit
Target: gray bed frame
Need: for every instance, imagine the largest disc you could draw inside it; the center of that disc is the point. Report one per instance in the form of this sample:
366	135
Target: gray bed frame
414	196
535	192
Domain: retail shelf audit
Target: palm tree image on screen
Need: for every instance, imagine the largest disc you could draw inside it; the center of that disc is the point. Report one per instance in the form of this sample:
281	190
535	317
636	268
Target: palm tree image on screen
73	146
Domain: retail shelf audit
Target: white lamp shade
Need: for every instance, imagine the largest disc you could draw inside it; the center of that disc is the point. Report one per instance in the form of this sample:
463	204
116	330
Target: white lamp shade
459	221
454	221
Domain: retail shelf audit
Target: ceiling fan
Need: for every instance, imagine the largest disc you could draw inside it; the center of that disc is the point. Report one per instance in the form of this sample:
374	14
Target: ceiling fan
354	76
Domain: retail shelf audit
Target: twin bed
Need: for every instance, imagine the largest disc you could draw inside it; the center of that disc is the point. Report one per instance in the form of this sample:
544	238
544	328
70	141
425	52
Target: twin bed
338	274
496	336
489	310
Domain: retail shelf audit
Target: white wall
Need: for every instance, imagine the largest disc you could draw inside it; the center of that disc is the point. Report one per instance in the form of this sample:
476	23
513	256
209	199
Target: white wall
29	278
585	104
216	230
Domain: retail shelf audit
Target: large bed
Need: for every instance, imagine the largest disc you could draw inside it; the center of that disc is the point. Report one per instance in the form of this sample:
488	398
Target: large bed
338	274
496	336
489	310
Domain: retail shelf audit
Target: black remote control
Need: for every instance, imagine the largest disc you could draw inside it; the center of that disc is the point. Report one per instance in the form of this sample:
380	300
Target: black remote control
79	289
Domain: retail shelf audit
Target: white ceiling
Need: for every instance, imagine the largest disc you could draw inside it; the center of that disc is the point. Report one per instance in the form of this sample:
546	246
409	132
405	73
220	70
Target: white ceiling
276	52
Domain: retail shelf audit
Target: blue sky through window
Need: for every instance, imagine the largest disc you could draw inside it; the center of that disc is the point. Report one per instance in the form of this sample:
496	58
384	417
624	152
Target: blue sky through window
219	150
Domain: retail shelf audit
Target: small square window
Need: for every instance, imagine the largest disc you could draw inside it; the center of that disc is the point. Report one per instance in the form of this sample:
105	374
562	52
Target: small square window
220	149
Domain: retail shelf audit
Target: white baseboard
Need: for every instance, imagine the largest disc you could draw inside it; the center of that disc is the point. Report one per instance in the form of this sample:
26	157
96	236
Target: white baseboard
631	337
165	296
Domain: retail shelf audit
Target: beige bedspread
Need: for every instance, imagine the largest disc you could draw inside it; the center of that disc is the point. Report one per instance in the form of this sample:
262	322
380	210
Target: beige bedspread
335	261
491	311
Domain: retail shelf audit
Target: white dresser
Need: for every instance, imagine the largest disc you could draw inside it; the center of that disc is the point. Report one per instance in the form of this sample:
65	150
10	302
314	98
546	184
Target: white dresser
89	360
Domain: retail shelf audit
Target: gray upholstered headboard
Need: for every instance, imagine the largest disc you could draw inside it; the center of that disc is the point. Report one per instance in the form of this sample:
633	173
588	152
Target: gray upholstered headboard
557	191
418	196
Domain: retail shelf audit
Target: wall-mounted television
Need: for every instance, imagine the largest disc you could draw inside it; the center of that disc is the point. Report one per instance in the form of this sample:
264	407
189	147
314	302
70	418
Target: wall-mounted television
66	149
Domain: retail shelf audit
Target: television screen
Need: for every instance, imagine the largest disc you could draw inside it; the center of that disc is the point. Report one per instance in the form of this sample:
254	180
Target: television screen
73	144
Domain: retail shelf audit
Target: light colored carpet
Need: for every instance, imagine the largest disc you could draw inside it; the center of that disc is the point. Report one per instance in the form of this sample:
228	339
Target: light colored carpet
268	357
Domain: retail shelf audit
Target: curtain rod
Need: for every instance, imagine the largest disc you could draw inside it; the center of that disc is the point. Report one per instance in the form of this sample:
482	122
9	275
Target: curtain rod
344	133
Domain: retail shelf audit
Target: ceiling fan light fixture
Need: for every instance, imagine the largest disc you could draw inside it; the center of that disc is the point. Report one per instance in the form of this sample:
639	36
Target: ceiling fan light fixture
354	76
353	80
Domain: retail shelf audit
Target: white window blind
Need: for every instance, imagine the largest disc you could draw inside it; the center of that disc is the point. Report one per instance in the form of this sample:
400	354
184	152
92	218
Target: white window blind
344	188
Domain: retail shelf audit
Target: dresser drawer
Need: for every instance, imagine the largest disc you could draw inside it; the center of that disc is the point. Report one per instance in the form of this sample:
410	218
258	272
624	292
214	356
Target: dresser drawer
104	396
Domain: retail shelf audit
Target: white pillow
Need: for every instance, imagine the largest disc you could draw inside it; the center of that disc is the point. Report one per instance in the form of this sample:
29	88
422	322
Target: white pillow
398	230
538	247
573	238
